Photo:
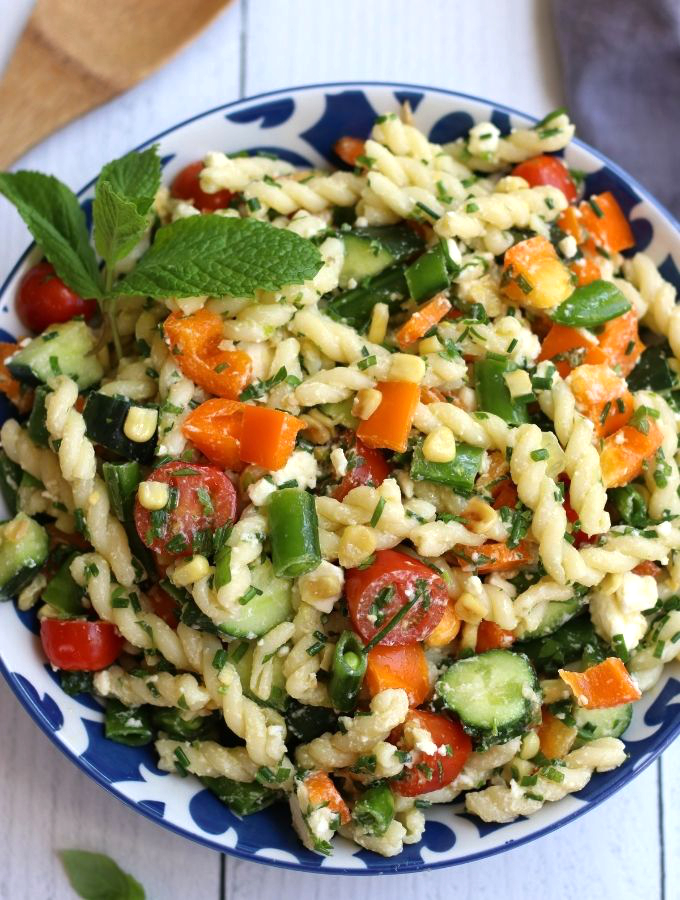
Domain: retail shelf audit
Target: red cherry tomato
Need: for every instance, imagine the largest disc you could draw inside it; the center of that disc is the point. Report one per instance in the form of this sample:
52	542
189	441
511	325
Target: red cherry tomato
163	605
377	593
44	299
580	537
187	186
201	498
548	170
492	637
432	772
80	646
370	468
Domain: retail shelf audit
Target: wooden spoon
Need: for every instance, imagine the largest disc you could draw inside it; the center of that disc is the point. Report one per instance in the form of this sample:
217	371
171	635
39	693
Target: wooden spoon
76	54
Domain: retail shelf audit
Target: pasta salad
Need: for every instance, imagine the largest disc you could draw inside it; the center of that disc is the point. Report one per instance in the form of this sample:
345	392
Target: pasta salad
356	489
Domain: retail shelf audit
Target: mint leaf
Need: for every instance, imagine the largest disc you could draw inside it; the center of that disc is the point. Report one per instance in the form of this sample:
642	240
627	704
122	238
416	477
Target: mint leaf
94	876
135	176
56	221
123	198
215	255
118	225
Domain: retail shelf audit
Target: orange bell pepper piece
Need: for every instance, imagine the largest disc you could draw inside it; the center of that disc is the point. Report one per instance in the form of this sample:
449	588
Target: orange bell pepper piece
390	424
268	436
398	667
647	567
559	346
15	392
215	428
194	341
431	395
620	343
534	275
447	629
322	792
492	637
604	685
494	557
422	320
349	149
556	738
570	222
605	222
625	451
602	396
586	269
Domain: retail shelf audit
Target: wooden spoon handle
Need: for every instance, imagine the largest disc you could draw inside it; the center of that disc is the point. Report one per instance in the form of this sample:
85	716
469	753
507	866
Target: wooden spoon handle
41	90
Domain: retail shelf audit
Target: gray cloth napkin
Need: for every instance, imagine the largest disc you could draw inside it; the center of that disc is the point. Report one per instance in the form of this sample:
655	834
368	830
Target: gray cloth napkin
621	66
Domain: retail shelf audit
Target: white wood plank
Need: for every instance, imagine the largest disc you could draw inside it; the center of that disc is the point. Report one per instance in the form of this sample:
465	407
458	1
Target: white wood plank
612	852
500	49
670	781
48	804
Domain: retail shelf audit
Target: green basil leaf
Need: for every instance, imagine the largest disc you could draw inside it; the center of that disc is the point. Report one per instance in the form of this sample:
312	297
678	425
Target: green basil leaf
94	876
135	176
215	255
53	215
118	226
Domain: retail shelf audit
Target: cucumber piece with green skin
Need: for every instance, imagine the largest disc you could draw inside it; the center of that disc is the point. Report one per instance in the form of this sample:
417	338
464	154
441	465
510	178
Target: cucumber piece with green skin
556	614
241	655
495	694
63	592
24	547
263	611
105	423
355	306
340	413
10	477
305	723
37	421
599	723
64	349
369	251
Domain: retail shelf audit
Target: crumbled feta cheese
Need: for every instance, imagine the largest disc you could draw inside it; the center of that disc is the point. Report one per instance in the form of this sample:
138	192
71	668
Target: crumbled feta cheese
339	461
260	491
568	246
618	606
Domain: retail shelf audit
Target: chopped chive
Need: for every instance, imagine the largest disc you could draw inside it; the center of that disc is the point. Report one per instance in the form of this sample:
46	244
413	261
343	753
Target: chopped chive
538	455
377	512
595	208
249	594
605	411
220	659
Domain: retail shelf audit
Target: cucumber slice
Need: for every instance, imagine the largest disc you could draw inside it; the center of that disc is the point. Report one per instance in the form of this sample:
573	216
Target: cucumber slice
556	614
356	305
264	611
599	723
241	654
369	251
340	413
10	476
65	349
105	422
37	421
495	694
23	549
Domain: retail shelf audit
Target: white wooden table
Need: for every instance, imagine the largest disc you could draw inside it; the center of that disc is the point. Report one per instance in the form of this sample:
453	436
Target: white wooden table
501	49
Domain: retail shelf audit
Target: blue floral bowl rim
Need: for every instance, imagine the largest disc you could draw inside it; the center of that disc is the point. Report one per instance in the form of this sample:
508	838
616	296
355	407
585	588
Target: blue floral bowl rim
616	783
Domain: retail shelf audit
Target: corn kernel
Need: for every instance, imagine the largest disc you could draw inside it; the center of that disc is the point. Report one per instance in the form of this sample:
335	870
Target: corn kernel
356	544
189	572
153	494
366	401
479	516
140	424
518	383
322	587
379	320
468	636
531	744
405	367
440	445
471	609
430	345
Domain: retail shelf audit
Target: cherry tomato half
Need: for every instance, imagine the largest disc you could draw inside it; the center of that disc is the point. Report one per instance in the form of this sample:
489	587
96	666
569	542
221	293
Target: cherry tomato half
548	170
44	299
377	593
80	646
187	186
368	467
432	772
201	498
163	605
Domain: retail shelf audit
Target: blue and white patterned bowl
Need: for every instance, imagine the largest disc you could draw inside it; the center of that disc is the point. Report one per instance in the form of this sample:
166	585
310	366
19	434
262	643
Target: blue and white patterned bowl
301	125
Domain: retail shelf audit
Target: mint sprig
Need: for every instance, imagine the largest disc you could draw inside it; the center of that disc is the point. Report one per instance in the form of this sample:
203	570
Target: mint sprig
216	255
94	876
53	215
